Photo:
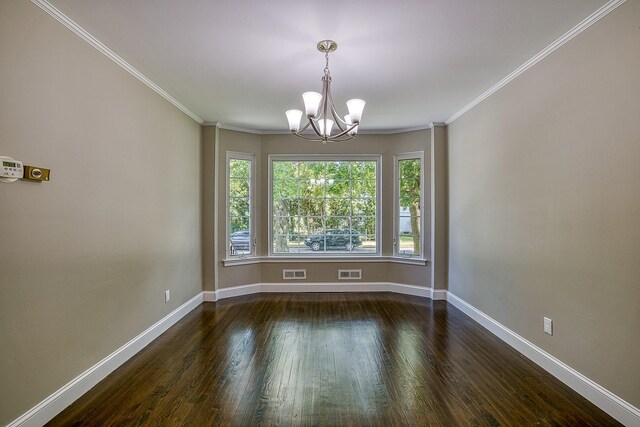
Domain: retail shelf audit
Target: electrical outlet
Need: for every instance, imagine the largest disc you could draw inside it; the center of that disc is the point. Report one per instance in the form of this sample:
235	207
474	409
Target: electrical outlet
548	326
167	295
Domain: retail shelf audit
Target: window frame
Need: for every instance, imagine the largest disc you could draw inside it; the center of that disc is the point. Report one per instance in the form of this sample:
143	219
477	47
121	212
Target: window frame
327	158
413	155
251	157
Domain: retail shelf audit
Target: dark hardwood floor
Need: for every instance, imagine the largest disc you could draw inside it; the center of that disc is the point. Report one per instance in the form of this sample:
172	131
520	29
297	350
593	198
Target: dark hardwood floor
330	360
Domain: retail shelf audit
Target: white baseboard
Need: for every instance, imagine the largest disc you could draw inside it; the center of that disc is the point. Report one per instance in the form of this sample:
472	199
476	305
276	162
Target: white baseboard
54	404
438	294
255	288
615	406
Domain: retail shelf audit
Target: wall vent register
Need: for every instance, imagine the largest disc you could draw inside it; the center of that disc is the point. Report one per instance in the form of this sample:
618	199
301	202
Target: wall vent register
294	274
349	274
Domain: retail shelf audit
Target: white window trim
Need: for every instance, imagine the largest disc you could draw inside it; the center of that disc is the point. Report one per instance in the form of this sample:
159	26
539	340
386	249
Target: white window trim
396	203
235	155
328	158
321	259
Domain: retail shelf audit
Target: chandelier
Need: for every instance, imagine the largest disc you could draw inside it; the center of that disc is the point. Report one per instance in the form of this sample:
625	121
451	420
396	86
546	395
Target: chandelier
321	113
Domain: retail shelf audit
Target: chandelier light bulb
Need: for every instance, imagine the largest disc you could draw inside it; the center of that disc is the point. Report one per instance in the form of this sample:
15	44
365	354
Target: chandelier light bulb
325	131
349	123
311	103
293	116
355	106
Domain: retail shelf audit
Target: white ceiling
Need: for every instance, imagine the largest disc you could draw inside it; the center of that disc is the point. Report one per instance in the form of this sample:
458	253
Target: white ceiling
243	63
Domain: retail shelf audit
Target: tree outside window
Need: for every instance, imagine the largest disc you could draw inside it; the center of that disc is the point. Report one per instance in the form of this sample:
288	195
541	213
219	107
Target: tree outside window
324	206
409	204
239	203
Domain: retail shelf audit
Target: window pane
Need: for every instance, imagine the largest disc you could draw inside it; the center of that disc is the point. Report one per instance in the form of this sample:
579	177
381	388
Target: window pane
238	207
338	170
285	225
312	206
408	207
312	170
285	189
409	245
296	243
311	188
363	170
280	243
363	189
338	188
239	168
334	222
338	207
409	225
364	225
364	207
410	169
239	204
284	170
312	225
238	187
238	224
368	243
409	192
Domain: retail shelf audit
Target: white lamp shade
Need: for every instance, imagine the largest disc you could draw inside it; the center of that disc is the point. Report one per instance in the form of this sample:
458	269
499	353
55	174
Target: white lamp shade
355	107
294	119
327	131
311	103
349	124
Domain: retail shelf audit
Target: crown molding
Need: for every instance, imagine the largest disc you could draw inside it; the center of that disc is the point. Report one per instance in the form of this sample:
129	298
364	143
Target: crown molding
394	131
84	35
437	125
282	132
586	23
239	129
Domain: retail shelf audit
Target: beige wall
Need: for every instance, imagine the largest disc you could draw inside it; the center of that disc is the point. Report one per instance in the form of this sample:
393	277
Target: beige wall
208	207
545	203
265	145
87	256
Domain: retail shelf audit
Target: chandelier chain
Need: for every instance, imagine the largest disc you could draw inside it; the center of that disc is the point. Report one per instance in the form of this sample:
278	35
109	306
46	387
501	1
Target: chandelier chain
326	66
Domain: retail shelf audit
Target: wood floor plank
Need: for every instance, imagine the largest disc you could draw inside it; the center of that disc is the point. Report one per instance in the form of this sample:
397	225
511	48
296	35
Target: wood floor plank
376	359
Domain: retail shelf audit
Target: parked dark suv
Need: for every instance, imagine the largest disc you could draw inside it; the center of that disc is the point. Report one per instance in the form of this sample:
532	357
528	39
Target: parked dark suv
240	241
334	238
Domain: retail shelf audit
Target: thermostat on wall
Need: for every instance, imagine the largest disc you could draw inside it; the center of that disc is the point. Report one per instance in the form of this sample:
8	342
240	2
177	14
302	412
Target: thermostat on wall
11	169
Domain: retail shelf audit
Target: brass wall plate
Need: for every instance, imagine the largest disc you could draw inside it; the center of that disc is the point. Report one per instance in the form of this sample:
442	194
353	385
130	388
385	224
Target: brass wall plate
35	173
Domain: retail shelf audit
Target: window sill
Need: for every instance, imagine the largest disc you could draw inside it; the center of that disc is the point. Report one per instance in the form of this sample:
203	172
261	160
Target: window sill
289	259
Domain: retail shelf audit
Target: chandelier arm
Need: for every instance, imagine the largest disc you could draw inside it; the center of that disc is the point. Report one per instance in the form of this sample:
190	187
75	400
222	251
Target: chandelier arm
335	114
345	132
339	120
299	135
335	139
301	130
315	126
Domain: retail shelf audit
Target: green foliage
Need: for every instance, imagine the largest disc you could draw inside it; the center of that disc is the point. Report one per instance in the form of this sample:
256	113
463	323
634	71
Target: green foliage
239	168
321	195
238	187
239	206
409	183
238	223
